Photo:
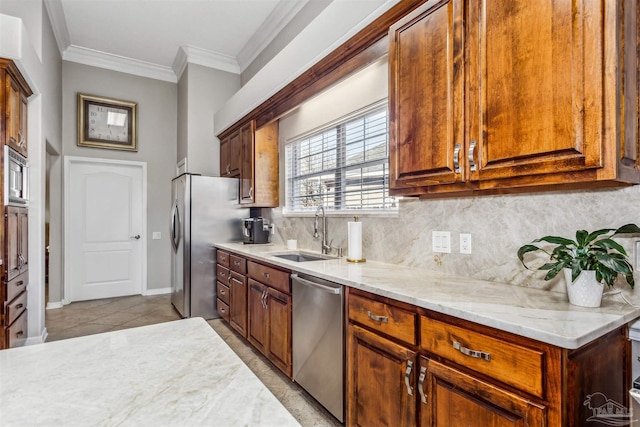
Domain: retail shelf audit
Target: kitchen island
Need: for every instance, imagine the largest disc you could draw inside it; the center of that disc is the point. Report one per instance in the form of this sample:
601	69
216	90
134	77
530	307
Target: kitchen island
168	374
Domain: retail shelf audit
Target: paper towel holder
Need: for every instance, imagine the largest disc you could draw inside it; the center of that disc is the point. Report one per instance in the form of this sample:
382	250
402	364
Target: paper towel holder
355	219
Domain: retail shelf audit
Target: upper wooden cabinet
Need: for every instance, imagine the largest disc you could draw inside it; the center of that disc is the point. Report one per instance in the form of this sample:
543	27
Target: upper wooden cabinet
258	165
513	94
13	104
230	153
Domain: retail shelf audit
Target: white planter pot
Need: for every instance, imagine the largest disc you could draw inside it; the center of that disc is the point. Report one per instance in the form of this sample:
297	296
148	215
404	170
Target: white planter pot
586	291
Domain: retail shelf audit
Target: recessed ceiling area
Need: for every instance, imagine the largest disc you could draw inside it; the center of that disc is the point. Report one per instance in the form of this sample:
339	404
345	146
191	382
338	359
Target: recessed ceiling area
156	38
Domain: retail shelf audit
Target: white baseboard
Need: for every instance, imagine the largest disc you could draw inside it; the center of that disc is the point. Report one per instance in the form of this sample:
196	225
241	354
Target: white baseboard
159	291
54	305
38	340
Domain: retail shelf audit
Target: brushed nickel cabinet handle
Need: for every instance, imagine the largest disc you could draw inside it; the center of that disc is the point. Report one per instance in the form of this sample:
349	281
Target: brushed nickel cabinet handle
472	353
383	319
423	374
266	275
19	334
407	378
472	149
20	283
251	192
228	280
19	306
456	159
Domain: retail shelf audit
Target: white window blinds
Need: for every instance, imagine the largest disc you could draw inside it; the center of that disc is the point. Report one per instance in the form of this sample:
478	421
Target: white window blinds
342	167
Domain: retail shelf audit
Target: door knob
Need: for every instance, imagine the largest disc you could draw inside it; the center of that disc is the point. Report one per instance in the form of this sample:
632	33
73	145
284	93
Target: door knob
137	237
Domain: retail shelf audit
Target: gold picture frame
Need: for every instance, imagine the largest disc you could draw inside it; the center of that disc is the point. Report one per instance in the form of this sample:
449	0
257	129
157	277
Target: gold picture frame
107	123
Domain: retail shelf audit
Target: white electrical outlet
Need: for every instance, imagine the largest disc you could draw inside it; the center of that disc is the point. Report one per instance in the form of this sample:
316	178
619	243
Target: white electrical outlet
465	243
441	241
638	255
156	235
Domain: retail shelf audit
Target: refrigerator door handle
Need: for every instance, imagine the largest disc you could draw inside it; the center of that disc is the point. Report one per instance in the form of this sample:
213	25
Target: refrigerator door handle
175	226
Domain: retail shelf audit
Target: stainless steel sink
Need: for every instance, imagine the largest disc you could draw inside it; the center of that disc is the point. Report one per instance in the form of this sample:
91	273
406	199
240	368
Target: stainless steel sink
303	256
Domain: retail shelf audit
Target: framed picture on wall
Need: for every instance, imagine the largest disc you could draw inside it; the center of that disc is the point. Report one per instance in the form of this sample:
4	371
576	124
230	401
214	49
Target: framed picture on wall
107	123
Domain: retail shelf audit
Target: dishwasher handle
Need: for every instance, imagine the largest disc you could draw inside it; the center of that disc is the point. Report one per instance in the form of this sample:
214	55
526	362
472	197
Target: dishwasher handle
329	289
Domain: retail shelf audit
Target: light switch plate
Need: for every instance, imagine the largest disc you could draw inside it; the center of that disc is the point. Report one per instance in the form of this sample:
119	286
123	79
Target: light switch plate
465	243
638	255
441	241
156	235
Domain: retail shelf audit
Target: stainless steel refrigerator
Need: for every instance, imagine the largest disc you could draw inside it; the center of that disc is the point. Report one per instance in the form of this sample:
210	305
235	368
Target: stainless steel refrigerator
205	210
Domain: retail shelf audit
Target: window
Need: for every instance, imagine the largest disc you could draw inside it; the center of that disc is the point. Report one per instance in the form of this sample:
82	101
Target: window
343	167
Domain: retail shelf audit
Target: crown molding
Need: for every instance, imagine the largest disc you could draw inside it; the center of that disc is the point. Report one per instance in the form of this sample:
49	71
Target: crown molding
122	64
58	24
195	55
270	28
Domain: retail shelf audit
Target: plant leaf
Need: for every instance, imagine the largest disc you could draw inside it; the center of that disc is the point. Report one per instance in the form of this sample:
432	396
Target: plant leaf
581	236
630	280
596	234
610	244
556	240
628	229
526	249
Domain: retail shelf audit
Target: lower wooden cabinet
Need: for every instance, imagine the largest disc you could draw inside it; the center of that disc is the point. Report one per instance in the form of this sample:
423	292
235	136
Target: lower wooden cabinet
269	328
380	381
459	373
256	301
238	303
449	397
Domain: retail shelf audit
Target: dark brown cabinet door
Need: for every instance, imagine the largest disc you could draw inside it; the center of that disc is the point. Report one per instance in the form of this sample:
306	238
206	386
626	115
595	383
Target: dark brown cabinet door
238	303
451	398
380	381
536	99
247	166
279	339
16	241
426	96
257	316
230	151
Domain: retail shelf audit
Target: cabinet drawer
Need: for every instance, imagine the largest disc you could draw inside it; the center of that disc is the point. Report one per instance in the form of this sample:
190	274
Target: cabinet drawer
15	308
17	333
15	286
388	319
222	292
238	264
223	309
277	279
222	258
513	364
222	274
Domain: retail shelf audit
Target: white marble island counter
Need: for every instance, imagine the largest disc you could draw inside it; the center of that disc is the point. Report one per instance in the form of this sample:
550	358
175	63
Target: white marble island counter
538	314
177	373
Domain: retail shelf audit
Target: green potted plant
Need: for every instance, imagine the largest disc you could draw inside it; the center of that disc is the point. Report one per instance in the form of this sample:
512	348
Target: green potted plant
587	262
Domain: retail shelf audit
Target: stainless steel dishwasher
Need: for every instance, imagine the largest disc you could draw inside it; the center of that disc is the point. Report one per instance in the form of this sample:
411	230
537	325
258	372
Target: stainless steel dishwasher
318	340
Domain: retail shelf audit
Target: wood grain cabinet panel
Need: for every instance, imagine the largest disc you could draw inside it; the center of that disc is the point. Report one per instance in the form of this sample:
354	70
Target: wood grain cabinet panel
238	303
451	398
377	392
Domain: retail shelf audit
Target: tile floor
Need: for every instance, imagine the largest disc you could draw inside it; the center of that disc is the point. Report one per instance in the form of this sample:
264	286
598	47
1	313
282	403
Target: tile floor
92	317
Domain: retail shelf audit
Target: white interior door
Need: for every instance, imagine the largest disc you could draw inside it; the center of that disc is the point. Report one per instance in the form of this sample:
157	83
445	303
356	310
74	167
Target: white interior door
105	222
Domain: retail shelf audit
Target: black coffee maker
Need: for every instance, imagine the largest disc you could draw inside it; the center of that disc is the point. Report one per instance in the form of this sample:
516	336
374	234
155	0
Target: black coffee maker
256	230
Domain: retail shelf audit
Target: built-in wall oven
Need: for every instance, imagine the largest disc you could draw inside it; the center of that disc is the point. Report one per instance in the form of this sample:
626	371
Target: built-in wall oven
16	178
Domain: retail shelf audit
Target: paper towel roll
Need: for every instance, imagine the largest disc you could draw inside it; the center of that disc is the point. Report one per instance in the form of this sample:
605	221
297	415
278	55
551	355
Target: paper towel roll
354	229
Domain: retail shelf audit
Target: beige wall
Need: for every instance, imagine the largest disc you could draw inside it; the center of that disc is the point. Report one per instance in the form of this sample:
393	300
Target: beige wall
157	146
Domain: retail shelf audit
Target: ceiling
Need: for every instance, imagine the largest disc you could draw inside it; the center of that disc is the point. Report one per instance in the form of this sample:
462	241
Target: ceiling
156	38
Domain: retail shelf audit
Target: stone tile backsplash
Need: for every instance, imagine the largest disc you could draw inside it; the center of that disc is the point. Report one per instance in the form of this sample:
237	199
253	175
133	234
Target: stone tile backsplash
499	225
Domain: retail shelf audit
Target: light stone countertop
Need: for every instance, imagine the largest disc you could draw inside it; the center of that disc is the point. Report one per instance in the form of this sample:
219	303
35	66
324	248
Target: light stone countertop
534	313
178	373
